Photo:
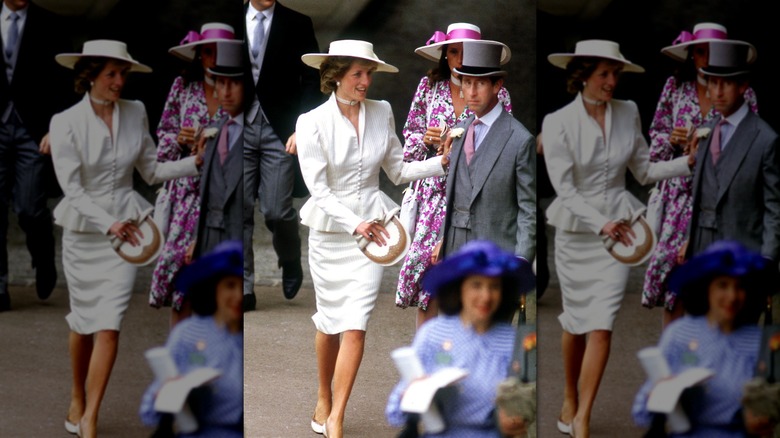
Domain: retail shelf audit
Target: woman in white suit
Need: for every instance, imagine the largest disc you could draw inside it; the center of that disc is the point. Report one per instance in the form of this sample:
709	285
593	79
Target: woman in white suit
589	144
342	145
95	145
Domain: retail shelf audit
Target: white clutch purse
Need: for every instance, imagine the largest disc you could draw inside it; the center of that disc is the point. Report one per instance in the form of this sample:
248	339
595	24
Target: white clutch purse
397	244
642	245
151	242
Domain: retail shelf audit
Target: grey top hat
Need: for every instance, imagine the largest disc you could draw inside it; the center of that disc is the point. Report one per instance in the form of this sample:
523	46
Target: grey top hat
228	59
482	58
728	58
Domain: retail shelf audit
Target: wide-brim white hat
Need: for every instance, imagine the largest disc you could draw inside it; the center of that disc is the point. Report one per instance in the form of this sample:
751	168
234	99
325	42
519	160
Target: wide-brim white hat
595	49
456	33
102	49
209	33
350	48
702	33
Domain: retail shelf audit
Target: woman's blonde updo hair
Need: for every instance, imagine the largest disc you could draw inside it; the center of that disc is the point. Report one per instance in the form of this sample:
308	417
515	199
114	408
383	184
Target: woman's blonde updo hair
333	68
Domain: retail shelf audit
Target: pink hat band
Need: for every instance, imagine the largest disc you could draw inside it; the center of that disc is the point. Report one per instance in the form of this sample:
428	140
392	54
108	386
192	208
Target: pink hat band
193	37
686	37
440	37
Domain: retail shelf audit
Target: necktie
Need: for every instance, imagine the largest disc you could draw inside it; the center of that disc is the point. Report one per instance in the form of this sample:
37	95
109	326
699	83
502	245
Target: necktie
13	36
222	144
715	143
259	35
468	144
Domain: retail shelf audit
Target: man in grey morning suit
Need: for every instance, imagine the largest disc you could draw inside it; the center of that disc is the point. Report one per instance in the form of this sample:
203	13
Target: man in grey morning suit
222	182
737	194
491	186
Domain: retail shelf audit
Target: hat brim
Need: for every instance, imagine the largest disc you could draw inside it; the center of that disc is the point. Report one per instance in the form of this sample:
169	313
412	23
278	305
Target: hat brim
432	52
479	71
723	72
561	60
186	52
69	60
226	71
314	60
679	52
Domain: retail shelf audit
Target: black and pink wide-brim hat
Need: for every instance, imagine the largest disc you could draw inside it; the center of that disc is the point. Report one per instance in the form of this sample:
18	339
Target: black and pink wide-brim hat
702	33
456	33
209	33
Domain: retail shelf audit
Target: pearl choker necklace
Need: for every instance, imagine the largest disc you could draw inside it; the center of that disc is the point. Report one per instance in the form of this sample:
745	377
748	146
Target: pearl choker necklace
97	101
345	101
592	101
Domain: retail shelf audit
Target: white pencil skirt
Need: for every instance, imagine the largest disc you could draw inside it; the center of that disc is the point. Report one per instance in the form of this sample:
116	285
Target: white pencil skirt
346	282
100	283
592	282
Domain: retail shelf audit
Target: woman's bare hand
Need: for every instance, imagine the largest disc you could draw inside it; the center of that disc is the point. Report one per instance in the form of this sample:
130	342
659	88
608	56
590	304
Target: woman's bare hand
436	252
432	136
187	135
619	232
127	232
374	232
511	426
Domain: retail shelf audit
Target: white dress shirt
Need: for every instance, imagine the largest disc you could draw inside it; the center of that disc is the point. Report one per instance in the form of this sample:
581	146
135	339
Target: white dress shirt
732	121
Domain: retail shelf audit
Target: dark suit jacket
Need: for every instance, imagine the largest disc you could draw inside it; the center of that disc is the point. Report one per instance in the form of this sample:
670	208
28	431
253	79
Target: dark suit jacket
748	203
233	208
503	201
40	87
286	87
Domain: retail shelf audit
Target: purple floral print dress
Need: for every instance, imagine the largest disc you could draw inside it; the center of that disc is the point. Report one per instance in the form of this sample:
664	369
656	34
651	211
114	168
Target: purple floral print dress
678	106
431	102
186	105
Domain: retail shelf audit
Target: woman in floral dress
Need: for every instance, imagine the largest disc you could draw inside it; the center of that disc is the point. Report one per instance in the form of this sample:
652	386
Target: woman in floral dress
684	102
191	103
438	99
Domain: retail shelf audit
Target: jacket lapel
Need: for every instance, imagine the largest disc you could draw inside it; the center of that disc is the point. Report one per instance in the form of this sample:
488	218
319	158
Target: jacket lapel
210	158
703	153
738	146
490	150
235	161
456	148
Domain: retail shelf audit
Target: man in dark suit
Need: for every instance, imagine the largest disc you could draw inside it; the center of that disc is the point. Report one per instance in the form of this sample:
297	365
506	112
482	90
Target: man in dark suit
282	88
736	182
491	185
32	89
221	184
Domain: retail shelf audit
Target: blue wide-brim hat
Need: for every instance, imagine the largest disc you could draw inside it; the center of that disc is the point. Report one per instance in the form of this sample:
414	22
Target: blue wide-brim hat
481	257
723	258
225	259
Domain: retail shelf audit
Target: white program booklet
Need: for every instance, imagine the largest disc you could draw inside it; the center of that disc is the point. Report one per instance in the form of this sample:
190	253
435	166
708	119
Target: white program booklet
419	395
173	393
666	393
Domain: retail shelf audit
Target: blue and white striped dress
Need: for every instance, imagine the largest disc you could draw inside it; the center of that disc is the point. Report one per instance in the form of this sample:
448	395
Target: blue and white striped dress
468	408
199	341
693	342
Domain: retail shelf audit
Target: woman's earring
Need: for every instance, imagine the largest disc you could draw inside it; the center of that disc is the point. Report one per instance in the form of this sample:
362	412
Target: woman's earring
91	83
584	84
338	83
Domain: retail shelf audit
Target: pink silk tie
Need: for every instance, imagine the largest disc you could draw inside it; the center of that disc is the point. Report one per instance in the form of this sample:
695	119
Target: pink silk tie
468	144
222	144
715	142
